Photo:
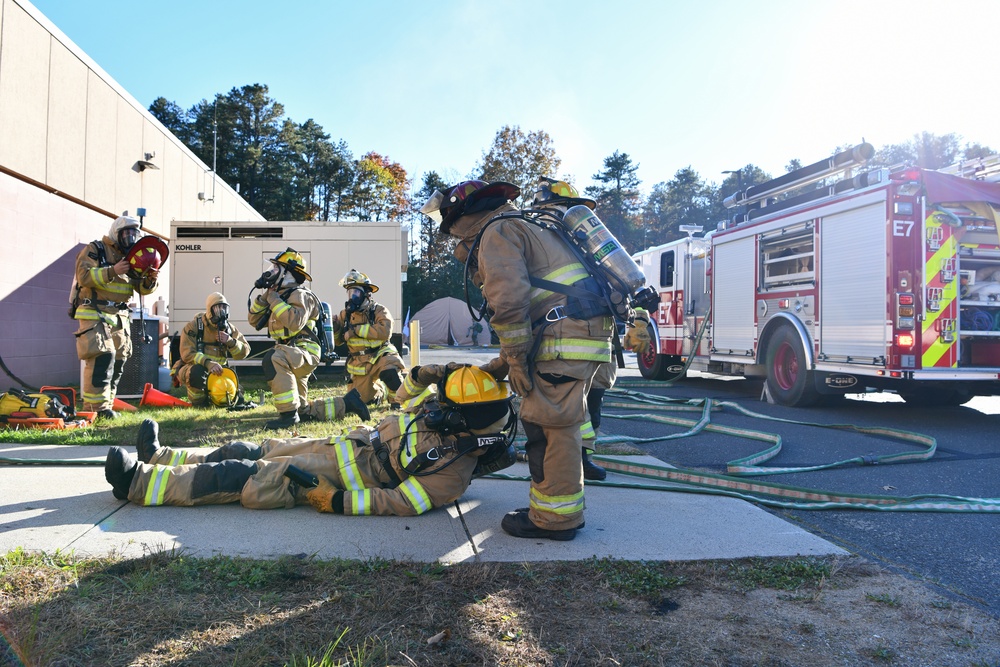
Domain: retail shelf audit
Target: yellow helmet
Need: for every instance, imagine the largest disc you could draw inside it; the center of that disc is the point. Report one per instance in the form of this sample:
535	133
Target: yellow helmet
471	385
355	278
293	261
223	389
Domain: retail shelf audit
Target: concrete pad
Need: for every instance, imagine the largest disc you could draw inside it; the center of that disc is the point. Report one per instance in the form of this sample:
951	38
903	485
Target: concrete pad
72	509
636	524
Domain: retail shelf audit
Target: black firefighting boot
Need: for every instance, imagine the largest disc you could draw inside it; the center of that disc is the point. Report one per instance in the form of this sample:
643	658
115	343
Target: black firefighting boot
107	414
518	524
119	469
148	440
353	403
591	470
284	420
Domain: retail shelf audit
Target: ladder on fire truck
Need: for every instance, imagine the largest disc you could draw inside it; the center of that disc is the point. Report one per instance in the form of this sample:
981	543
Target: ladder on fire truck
979	169
765	198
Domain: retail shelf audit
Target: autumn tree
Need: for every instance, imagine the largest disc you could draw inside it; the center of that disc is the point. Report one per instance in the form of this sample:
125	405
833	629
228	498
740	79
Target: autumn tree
684	200
519	158
618	198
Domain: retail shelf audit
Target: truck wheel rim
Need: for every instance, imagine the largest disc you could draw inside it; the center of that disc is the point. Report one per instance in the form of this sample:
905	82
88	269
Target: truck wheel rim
786	367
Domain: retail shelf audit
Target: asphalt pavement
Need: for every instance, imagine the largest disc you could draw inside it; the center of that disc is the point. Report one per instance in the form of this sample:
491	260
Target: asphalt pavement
71	509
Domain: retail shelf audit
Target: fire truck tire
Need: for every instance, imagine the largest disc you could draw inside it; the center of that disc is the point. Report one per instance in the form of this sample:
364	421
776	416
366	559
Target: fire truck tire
663	367
789	380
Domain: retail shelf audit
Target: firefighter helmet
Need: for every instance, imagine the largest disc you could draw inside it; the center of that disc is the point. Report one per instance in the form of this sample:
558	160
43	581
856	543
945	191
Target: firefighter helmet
469	385
448	206
551	191
223	389
355	278
293	261
147	253
124	232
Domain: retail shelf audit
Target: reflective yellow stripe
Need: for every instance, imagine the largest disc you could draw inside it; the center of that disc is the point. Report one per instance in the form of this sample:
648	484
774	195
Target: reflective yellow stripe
415	493
157	487
284	399
567	275
178	458
570	504
513	334
416	400
581	349
350	475
406	453
279	309
361	501
310	346
949	292
587	431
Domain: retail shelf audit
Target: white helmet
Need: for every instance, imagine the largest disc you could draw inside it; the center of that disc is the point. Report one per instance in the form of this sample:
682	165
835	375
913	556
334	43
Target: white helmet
121	232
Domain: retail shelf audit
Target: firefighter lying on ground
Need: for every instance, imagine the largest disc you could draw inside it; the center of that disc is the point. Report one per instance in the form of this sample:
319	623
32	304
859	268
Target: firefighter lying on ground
207	343
104	284
550	344
410	463
557	197
365	326
290	311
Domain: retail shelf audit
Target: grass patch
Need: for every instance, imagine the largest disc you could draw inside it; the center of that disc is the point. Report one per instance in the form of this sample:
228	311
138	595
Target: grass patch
635	578
781	574
883	598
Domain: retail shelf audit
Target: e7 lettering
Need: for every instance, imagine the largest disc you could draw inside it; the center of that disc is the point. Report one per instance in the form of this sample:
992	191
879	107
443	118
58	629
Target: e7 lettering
902	227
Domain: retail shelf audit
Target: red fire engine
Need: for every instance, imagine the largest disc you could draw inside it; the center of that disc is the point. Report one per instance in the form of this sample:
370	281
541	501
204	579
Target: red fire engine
886	279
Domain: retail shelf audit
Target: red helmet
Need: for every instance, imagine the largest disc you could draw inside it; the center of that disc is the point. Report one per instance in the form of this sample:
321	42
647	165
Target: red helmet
448	206
149	252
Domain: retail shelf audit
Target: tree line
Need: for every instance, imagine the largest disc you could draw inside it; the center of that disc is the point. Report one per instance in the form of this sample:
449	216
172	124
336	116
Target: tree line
295	171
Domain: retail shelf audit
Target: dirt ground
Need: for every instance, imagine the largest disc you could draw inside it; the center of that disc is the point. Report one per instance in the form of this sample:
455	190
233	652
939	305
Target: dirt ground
166	609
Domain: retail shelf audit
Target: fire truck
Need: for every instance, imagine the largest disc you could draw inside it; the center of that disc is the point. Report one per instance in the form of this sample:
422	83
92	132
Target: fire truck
835	279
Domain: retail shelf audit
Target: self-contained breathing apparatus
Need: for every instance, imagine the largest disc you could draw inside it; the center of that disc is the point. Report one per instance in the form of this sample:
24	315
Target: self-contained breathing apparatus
99	254
614	286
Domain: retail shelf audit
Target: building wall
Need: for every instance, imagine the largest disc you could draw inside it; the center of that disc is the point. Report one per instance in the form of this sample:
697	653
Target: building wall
70	142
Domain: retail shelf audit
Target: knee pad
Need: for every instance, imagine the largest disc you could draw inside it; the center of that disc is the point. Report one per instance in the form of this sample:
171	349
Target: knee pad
267	364
535	449
390	377
236	450
103	369
198	376
224	477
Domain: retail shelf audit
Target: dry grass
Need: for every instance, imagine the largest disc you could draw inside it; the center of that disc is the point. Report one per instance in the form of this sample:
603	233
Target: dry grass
167	609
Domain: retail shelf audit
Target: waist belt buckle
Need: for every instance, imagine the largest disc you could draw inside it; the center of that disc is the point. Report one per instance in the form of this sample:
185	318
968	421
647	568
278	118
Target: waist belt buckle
555	314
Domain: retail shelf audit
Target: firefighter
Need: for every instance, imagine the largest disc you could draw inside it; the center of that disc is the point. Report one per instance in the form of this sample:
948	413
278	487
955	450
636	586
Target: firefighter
374	367
105	285
558	196
289	310
207	343
407	465
550	344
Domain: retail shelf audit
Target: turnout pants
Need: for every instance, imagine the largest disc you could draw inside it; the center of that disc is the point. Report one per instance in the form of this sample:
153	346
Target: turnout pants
289	385
104	349
367	382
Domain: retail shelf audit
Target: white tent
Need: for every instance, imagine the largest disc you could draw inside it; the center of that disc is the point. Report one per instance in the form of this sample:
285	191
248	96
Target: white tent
447	321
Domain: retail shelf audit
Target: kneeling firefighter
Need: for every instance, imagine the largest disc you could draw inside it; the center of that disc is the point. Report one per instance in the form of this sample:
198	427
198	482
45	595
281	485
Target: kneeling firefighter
207	343
407	465
290	311
365	326
550	343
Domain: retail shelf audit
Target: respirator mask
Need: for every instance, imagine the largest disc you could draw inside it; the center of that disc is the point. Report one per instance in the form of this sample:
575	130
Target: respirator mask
355	299
220	316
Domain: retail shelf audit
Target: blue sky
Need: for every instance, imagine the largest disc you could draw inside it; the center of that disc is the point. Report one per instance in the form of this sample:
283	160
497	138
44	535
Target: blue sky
714	85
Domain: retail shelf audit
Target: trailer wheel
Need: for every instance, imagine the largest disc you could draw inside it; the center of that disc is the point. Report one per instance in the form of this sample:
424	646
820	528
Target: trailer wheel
789	380
656	366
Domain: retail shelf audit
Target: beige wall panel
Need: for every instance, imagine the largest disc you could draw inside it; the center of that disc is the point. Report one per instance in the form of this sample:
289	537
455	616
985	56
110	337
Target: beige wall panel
230	209
151	180
24	69
190	208
128	151
172	183
102	138
67	135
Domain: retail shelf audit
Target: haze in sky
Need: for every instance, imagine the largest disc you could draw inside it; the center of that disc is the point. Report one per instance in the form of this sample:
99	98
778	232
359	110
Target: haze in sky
714	85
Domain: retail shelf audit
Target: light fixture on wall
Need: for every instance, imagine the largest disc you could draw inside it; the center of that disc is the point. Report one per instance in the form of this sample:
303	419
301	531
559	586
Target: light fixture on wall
144	164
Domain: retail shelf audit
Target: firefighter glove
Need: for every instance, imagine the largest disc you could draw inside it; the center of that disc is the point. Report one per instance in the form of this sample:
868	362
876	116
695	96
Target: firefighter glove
321	497
497	367
519	374
430	374
637	338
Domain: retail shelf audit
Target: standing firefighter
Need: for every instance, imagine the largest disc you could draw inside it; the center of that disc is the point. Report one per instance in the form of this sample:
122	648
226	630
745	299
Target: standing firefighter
207	343
551	344
105	282
289	310
365	326
407	465
557	197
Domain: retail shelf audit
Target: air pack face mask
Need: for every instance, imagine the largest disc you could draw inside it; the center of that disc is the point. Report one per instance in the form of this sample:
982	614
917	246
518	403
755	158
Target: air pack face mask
355	297
220	315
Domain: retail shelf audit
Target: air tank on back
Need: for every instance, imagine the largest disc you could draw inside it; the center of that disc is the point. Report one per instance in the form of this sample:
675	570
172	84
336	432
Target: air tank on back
603	247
